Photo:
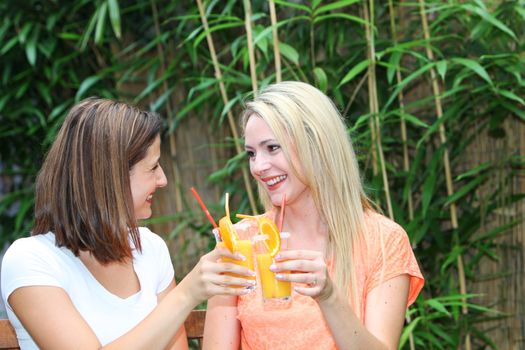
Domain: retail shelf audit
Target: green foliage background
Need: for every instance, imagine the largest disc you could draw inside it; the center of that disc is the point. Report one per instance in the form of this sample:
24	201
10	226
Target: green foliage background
155	53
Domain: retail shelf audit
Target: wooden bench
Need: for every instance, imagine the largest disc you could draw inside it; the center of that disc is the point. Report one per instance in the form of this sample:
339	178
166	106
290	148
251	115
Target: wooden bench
194	325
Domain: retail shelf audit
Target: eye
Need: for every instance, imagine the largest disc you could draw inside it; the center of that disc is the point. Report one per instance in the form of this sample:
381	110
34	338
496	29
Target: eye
250	154
155	167
273	148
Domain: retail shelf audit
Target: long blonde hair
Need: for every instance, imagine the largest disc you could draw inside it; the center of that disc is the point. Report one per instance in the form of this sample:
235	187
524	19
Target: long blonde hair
306	121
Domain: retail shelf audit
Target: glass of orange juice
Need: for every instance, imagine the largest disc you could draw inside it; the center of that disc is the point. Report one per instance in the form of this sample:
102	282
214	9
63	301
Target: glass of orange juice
243	247
275	293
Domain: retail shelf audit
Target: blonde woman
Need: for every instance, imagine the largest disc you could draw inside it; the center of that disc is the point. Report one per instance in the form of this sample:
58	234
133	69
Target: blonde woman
89	277
353	270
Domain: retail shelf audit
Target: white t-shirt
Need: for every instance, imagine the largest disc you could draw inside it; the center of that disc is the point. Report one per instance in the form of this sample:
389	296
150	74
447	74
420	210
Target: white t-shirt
38	261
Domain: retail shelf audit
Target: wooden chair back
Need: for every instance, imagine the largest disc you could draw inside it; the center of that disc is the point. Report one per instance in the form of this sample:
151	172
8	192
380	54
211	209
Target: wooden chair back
194	325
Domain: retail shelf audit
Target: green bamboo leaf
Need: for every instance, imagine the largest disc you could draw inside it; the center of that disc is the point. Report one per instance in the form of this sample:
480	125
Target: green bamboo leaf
490	19
8	45
230	105
517	111
293	5
412	119
357	69
405	81
451	258
343	16
316	3
472	185
437	305
114	16
202	35
159	102
430	182
334	6
409	329
86	84
289	52
510	95
31	48
474	171
520	9
22	212
24	32
68	36
101	18
474	66
320	77
441	67
204	97
393	65
492	234
87	34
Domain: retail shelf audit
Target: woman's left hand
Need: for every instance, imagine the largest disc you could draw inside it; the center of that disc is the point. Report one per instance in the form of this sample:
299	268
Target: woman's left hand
307	267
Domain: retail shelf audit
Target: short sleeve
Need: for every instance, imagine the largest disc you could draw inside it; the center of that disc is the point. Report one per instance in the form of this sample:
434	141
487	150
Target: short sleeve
30	262
159	253
392	256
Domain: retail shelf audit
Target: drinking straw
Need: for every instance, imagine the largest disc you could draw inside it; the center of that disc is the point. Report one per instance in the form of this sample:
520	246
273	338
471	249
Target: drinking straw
196	194
281	218
227	205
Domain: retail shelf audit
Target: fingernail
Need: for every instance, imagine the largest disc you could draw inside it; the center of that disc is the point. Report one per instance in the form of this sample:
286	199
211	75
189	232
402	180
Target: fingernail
279	276
252	273
240	256
272	267
278	257
252	282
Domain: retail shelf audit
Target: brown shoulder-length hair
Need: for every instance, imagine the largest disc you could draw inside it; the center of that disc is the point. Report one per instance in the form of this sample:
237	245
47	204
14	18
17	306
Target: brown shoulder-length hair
83	192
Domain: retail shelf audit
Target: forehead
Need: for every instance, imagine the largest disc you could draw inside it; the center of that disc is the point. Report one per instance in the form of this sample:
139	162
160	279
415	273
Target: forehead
257	129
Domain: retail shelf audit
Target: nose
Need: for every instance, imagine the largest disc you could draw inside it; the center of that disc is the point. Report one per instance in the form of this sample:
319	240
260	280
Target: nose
259	165
162	181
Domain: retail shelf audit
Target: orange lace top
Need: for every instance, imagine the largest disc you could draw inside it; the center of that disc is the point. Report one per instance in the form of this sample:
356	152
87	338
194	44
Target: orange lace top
302	326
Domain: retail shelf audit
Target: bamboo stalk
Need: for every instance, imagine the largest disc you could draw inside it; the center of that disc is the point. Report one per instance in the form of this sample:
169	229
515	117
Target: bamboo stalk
446	162
401	101
406	160
249	39
374	102
276	52
231	120
169	108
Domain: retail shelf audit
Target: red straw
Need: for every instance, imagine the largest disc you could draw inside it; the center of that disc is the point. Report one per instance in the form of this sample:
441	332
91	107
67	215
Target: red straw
204	209
281	218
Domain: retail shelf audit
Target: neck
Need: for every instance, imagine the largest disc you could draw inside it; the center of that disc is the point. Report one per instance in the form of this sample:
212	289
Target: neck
303	221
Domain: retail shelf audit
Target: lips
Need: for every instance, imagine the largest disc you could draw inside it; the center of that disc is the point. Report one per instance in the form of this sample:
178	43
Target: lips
273	181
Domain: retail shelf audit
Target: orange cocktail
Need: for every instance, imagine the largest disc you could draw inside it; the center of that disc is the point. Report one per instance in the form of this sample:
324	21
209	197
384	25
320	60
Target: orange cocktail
228	238
243	247
271	287
267	245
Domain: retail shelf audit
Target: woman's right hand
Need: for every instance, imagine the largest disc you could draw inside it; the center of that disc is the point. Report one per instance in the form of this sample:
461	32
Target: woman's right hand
212	277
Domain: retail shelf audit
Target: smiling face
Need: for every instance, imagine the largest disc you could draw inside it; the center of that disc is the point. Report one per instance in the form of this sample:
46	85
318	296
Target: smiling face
145	177
268	163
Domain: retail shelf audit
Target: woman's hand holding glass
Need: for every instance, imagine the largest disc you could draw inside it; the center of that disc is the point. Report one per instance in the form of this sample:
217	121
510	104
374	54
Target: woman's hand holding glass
212	277
306	267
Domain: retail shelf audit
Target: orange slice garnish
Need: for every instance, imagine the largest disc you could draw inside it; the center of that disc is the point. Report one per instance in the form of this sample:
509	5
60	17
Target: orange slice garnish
267	227
228	234
273	242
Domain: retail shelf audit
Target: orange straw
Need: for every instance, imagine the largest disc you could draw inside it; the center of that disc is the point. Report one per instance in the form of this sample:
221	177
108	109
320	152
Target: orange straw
194	191
281	218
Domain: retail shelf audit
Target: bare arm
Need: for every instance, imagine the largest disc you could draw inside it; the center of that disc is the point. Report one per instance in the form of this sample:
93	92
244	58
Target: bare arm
384	310
222	330
42	310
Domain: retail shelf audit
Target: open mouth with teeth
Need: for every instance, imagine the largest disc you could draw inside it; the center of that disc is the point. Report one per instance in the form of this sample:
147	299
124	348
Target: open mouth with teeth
149	198
275	180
